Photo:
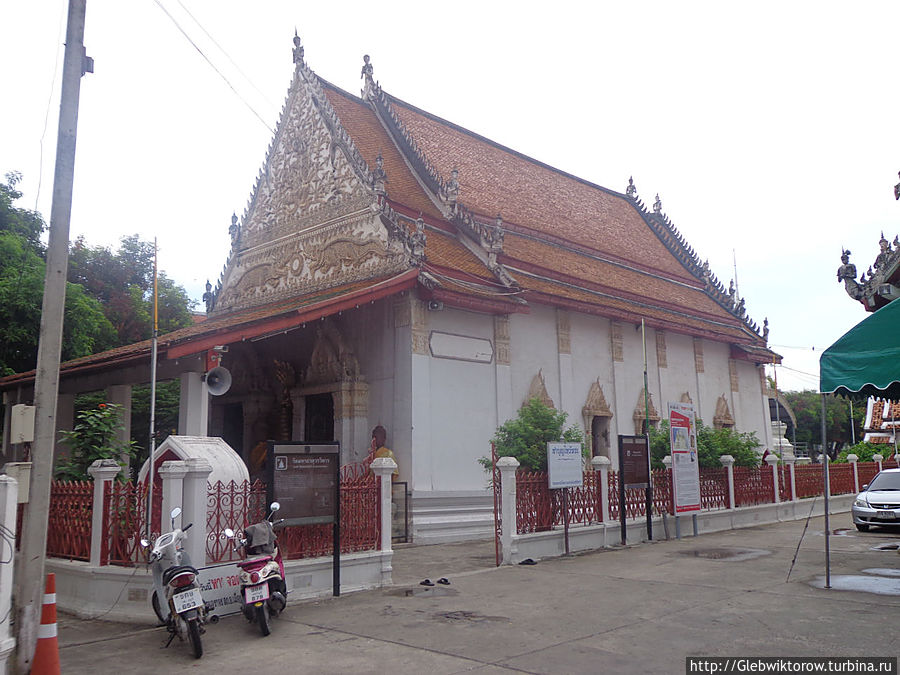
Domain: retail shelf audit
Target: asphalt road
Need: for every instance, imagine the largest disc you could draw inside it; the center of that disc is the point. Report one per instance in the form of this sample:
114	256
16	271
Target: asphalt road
627	610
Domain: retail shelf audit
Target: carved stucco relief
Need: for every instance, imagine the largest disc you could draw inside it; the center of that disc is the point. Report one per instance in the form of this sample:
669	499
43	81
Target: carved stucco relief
419	319
615	336
698	354
733	375
661	358
595	405
563	332
501	339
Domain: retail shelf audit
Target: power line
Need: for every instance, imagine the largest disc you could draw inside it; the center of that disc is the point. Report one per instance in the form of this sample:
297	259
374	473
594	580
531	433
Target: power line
59	42
213	66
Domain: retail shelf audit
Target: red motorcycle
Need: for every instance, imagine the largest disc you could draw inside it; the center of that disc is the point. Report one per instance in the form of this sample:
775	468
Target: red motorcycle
263	588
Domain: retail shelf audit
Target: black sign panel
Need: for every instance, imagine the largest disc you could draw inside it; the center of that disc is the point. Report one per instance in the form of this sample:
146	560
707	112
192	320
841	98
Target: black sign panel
634	461
304	479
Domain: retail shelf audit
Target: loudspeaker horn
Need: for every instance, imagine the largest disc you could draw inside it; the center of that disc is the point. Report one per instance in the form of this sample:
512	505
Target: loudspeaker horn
218	381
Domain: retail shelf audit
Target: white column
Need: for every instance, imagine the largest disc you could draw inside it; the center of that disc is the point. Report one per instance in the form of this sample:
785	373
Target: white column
103	471
791	461
853	459
194	498
193	406
384	467
879	459
172	474
728	462
8	499
507	466
600	464
772	461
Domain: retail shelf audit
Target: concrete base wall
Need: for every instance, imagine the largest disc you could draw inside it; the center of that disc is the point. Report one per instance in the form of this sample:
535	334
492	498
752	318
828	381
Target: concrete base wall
586	538
123	594
442	517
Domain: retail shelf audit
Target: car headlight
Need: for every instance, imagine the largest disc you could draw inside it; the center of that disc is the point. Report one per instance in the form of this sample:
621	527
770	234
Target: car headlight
861	503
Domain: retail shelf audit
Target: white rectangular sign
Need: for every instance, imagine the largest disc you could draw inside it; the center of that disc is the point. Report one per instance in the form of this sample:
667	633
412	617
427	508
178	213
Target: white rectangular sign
685	461
564	466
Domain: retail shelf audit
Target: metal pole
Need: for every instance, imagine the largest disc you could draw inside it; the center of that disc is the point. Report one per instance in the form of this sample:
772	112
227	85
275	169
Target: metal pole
852	426
30	590
649	493
777	404
827	490
151	444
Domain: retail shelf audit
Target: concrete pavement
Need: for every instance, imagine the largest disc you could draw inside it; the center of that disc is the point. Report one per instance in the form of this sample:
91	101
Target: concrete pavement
636	609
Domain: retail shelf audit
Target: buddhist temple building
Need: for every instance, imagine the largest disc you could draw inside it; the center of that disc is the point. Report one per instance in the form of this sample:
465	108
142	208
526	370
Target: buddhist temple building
392	268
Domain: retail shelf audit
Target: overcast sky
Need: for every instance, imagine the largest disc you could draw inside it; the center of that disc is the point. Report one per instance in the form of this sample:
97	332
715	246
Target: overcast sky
769	129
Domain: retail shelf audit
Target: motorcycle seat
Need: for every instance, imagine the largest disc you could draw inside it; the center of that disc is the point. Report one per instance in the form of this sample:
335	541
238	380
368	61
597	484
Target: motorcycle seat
254	563
175	570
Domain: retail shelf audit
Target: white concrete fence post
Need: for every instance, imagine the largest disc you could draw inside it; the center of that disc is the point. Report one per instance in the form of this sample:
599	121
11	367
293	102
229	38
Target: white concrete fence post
384	468
772	461
853	459
600	464
172	474
728	462
507	466
791	461
8	502
103	471
879	459
195	493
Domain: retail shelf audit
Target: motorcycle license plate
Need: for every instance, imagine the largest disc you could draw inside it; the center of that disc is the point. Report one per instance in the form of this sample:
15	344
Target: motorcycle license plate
186	600
256	593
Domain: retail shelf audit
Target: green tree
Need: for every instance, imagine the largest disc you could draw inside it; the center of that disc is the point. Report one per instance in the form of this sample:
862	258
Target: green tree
807	406
93	438
865	451
26	224
711	444
526	436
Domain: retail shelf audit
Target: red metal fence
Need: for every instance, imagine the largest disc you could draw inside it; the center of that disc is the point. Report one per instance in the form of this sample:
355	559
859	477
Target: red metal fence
867	471
753	485
124	515
69	524
840	476
234	505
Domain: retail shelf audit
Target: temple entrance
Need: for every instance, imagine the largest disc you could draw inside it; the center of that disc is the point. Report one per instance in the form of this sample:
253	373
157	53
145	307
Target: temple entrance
319	418
233	427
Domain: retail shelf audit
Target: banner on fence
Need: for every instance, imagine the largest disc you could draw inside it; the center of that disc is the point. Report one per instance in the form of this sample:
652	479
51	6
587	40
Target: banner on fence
685	462
564	465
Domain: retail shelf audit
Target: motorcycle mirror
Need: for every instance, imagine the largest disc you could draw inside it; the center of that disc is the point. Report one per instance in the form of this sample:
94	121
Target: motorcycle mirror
229	533
275	506
145	543
175	512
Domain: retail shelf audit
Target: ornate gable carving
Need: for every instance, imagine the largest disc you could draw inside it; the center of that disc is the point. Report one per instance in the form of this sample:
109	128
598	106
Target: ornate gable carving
641	412
686	398
723	418
538	390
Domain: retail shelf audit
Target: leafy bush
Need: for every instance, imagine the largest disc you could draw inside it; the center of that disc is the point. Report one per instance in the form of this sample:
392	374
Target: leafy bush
865	451
711	444
94	437
526	436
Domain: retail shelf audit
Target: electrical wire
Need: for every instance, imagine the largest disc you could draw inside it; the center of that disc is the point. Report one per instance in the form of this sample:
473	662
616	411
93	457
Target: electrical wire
213	66
227	56
59	43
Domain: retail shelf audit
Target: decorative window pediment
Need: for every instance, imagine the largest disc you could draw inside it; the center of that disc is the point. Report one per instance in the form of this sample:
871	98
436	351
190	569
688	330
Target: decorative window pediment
723	418
538	390
644	411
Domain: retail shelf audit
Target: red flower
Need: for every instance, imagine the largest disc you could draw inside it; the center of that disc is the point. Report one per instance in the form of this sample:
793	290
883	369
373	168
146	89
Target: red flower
101	406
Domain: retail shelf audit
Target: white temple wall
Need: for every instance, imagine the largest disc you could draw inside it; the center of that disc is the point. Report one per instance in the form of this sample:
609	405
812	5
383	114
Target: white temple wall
533	349
680	374
714	381
592	362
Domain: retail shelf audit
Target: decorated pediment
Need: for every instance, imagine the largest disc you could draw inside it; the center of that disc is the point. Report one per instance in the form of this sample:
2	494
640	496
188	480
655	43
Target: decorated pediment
723	418
644	410
538	390
596	405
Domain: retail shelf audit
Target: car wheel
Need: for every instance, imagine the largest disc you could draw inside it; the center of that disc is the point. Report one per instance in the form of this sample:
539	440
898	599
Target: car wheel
862	528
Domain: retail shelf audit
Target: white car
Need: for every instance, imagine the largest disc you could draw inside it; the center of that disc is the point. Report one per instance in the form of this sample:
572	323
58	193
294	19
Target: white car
879	502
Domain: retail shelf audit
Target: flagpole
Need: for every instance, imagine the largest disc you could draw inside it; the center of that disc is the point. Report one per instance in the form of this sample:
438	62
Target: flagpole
152	440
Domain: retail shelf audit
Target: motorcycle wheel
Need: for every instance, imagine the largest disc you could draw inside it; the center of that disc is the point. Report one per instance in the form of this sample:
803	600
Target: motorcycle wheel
194	636
262	618
157	608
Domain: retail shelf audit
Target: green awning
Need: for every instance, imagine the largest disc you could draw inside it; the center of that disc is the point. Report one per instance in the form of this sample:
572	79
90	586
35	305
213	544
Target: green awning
866	360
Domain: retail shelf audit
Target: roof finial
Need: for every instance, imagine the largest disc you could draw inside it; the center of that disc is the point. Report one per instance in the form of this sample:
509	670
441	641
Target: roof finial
766	329
657	205
298	48
234	230
451	187
366	74
631	191
897	189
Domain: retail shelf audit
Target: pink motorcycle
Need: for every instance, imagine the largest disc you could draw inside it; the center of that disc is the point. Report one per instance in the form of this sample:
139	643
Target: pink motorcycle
263	588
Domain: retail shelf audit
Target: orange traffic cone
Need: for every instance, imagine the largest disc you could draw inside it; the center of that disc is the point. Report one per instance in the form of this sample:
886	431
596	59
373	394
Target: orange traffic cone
46	655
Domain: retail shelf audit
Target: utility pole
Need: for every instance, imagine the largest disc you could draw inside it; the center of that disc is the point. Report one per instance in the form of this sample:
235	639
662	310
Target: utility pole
30	587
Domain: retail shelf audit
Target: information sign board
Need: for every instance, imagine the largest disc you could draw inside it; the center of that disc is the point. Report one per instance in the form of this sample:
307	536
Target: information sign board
634	456
564	465
685	462
304	480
